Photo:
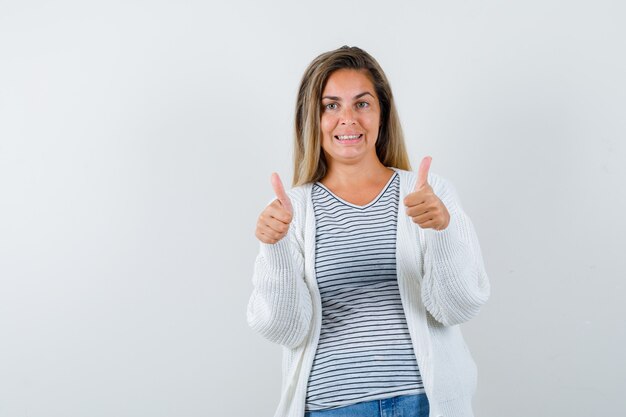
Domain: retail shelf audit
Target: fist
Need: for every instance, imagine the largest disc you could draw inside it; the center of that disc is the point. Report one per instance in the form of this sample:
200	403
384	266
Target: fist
423	205
274	220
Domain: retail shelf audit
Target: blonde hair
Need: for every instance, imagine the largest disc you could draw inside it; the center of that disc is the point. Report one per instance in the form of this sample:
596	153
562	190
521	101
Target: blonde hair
309	160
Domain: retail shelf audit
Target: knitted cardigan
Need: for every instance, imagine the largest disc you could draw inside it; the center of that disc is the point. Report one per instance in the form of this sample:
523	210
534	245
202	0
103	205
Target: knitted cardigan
442	282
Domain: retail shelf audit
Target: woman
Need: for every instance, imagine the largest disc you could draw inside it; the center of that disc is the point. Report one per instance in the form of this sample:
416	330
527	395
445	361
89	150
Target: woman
365	269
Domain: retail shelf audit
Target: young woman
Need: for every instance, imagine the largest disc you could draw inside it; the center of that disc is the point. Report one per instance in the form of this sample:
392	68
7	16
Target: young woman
365	269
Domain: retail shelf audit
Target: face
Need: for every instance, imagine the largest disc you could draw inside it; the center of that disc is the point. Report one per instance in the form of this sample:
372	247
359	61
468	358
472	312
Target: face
350	117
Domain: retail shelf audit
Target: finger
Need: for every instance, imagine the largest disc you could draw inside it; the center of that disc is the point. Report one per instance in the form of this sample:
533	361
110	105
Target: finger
277	226
265	238
418	210
416	198
425	221
279	190
430	224
261	236
272	234
423	218
422	173
278	212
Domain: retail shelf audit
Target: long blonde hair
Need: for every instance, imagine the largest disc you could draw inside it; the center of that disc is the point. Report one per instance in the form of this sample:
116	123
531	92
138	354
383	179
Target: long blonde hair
309	160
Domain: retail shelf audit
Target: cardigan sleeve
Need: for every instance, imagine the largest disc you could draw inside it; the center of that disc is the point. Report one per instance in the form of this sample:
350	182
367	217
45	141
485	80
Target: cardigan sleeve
455	284
280	307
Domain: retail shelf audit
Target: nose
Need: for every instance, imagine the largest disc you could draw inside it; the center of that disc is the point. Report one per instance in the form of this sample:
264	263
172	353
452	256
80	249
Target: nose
347	116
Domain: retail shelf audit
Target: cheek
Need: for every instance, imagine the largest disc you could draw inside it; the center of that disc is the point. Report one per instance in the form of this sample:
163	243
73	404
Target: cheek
373	118
327	125
373	122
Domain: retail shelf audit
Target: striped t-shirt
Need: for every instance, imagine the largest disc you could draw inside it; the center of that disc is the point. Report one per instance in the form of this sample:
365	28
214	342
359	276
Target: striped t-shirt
364	351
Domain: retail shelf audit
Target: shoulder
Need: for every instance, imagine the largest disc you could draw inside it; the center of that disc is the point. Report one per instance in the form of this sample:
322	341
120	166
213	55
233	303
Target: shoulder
299	193
408	179
299	196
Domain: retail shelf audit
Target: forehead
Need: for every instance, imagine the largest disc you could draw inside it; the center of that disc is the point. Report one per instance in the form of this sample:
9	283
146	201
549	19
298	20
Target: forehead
348	82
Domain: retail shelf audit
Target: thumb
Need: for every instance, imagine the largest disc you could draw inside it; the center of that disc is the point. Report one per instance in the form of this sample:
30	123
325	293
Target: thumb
279	190
422	173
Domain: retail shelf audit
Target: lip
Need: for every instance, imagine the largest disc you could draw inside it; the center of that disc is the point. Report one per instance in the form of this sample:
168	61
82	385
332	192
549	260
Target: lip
347	142
349	134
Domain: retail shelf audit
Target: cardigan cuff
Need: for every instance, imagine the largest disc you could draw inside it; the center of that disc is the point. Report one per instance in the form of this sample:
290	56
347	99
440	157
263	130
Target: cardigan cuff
277	255
448	242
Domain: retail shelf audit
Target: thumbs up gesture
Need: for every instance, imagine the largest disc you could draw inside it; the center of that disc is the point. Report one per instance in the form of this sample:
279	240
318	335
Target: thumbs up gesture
423	205
273	223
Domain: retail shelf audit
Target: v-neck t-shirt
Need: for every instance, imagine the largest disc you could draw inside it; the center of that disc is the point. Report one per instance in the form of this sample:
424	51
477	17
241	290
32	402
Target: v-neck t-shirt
364	351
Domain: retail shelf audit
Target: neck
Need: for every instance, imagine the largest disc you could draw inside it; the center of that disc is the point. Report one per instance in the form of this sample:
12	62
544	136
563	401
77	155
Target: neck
355	175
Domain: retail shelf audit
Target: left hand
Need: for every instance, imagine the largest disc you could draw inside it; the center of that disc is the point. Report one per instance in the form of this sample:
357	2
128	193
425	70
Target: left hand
423	205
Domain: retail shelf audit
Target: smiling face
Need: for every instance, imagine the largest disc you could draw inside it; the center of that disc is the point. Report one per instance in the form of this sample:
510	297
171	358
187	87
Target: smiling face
350	117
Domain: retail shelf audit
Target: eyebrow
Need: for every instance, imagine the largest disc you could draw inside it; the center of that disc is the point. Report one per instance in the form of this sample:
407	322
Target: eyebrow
355	97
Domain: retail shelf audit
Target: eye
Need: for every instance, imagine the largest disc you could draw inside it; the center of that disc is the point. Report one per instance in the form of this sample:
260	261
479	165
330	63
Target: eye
362	104
327	106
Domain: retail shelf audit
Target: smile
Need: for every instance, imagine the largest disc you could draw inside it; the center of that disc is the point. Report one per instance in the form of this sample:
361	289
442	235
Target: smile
345	138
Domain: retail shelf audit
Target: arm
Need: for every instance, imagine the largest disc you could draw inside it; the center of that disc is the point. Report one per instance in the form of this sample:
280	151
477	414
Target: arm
280	307
455	284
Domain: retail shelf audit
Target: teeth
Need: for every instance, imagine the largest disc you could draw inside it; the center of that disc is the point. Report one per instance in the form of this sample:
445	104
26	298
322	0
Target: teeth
348	137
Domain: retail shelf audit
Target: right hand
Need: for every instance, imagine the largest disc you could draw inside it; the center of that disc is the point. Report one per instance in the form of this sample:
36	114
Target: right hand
273	223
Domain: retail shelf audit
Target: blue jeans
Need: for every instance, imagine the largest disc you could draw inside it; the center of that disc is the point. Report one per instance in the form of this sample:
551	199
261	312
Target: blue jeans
401	406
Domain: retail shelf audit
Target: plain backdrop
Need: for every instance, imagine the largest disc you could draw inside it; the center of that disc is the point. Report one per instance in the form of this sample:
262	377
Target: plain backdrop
137	139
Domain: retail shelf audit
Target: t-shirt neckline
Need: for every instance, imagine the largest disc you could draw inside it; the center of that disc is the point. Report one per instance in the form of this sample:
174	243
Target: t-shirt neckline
380	194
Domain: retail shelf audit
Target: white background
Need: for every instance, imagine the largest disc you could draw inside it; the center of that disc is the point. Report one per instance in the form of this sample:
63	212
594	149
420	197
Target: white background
137	141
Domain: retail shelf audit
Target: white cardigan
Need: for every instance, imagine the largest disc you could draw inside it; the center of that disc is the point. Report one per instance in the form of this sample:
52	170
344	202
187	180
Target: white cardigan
442	282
